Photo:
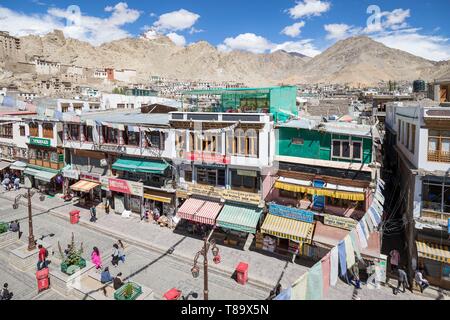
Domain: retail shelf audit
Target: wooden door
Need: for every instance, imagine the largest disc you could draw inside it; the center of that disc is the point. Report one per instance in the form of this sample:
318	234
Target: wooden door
444	94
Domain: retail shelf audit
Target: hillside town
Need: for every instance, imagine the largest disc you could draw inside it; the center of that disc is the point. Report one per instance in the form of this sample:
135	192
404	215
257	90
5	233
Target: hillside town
341	186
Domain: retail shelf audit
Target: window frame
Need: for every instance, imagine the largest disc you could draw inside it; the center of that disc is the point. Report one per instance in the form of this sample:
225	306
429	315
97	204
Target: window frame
351	149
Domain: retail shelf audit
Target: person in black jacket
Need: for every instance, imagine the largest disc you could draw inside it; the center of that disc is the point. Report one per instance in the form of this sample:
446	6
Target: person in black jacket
117	282
5	294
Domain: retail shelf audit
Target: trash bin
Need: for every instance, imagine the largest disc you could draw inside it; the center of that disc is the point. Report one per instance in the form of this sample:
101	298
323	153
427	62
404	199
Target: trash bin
173	294
242	273
43	281
74	216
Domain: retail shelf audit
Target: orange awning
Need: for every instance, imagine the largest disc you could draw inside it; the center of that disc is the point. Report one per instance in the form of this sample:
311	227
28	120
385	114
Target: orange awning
84	186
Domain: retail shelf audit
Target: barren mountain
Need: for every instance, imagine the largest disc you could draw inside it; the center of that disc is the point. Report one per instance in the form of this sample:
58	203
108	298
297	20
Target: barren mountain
358	60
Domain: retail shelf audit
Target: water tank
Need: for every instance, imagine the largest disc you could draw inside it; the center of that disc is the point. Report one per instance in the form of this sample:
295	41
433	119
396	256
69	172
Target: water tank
419	86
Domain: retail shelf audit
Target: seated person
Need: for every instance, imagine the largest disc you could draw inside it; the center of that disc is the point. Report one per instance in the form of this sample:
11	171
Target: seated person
106	276
117	282
5	294
421	281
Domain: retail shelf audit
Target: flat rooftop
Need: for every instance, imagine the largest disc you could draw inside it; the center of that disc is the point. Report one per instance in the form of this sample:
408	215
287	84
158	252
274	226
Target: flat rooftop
128	117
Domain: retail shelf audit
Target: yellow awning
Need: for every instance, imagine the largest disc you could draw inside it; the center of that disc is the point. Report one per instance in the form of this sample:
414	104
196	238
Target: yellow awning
157	198
353	196
288	228
84	186
433	251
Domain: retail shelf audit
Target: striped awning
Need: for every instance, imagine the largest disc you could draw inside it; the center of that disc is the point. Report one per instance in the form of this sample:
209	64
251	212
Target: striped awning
208	213
201	211
157	198
338	194
433	251
4	164
242	218
84	186
288	228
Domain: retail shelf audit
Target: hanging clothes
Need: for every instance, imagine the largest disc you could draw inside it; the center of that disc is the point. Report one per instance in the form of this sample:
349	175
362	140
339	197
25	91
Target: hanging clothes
334	266
376	219
342	259
349	251
314	289
355	243
326	273
369	223
361	236
365	228
299	288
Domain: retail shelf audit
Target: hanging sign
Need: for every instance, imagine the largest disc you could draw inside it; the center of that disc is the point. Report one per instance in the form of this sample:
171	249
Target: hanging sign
127	187
291	213
340	222
40	142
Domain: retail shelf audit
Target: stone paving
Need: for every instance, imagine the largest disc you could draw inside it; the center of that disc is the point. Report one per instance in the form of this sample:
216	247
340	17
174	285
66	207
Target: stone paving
265	271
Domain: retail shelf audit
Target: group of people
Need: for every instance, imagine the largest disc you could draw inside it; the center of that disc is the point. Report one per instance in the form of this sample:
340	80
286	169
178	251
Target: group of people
14	226
403	276
151	215
10	182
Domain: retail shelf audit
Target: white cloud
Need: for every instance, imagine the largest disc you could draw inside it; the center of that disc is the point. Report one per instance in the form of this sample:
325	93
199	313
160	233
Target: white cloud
86	28
293	30
394	32
257	44
337	31
179	40
176	21
308	8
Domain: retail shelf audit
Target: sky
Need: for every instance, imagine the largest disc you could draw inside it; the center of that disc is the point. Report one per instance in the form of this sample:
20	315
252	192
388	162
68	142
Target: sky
260	26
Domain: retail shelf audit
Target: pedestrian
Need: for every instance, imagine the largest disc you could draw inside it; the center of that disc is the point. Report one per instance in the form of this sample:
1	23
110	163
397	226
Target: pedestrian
421	281
402	281
93	214
96	259
121	250
15	227
115	255
43	254
107	207
16	184
117	282
5	294
395	259
355	276
105	277
6	183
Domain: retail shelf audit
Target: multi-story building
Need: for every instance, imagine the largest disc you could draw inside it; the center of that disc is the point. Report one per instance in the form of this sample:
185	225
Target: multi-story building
439	91
418	145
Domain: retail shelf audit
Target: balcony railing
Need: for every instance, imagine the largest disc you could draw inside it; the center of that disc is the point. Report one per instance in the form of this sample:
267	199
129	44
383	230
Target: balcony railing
438	156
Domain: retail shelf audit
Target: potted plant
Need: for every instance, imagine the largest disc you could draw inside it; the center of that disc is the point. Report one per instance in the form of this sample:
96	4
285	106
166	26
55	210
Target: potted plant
129	291
72	260
3	227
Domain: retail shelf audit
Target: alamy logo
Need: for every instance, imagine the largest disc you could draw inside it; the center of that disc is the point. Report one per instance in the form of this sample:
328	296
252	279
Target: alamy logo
374	21
73	16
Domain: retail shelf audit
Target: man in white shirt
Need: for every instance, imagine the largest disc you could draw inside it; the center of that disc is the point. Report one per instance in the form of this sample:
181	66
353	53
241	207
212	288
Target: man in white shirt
421	281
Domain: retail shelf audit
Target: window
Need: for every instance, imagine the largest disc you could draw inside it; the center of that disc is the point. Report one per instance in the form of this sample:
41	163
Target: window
34	129
244	181
74	132
131	138
243	143
211	176
6	131
438	146
88	133
188	175
399	130
22	131
413	139
436	195
155	139
407	135
47	130
344	149
110	135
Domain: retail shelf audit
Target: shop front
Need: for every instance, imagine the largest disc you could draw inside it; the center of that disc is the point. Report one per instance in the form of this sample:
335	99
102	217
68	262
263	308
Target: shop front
435	260
285	230
71	176
159	202
89	189
127	195
198	216
17	168
45	179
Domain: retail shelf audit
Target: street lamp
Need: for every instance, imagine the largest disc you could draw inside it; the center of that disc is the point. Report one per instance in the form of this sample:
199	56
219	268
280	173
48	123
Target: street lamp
204	252
28	195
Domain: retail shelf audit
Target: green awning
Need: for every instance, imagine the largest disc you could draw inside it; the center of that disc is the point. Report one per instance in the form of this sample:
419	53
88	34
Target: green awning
141	166
239	217
40	175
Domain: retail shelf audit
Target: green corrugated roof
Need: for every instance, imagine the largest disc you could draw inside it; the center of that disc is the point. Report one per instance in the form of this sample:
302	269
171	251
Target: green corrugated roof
239	217
220	91
132	165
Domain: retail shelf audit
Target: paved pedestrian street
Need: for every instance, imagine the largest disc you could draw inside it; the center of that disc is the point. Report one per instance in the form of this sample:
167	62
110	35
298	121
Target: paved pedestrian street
147	260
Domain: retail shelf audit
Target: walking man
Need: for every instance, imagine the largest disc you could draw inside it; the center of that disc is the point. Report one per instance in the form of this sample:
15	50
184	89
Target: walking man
43	254
402	281
93	214
395	259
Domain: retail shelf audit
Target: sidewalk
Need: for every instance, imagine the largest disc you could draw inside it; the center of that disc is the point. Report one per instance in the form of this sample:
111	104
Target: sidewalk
264	271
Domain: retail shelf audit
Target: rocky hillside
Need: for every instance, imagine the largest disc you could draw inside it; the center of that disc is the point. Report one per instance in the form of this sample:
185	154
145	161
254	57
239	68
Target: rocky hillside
358	60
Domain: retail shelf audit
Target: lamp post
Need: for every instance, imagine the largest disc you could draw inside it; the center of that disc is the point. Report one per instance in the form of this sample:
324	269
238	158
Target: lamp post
28	196
204	252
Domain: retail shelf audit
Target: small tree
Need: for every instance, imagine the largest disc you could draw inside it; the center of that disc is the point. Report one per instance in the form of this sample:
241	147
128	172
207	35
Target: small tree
73	256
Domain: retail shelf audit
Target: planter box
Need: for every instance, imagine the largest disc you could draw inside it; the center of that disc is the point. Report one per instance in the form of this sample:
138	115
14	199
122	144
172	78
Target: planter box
120	293
64	266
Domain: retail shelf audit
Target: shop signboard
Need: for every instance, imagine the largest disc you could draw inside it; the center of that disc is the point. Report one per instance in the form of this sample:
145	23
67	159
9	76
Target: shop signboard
291	213
208	157
71	174
111	148
339	222
231	195
94	177
40	142
104	180
247	173
127	187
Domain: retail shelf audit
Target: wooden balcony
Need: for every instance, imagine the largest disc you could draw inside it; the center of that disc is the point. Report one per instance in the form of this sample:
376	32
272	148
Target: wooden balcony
438	156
